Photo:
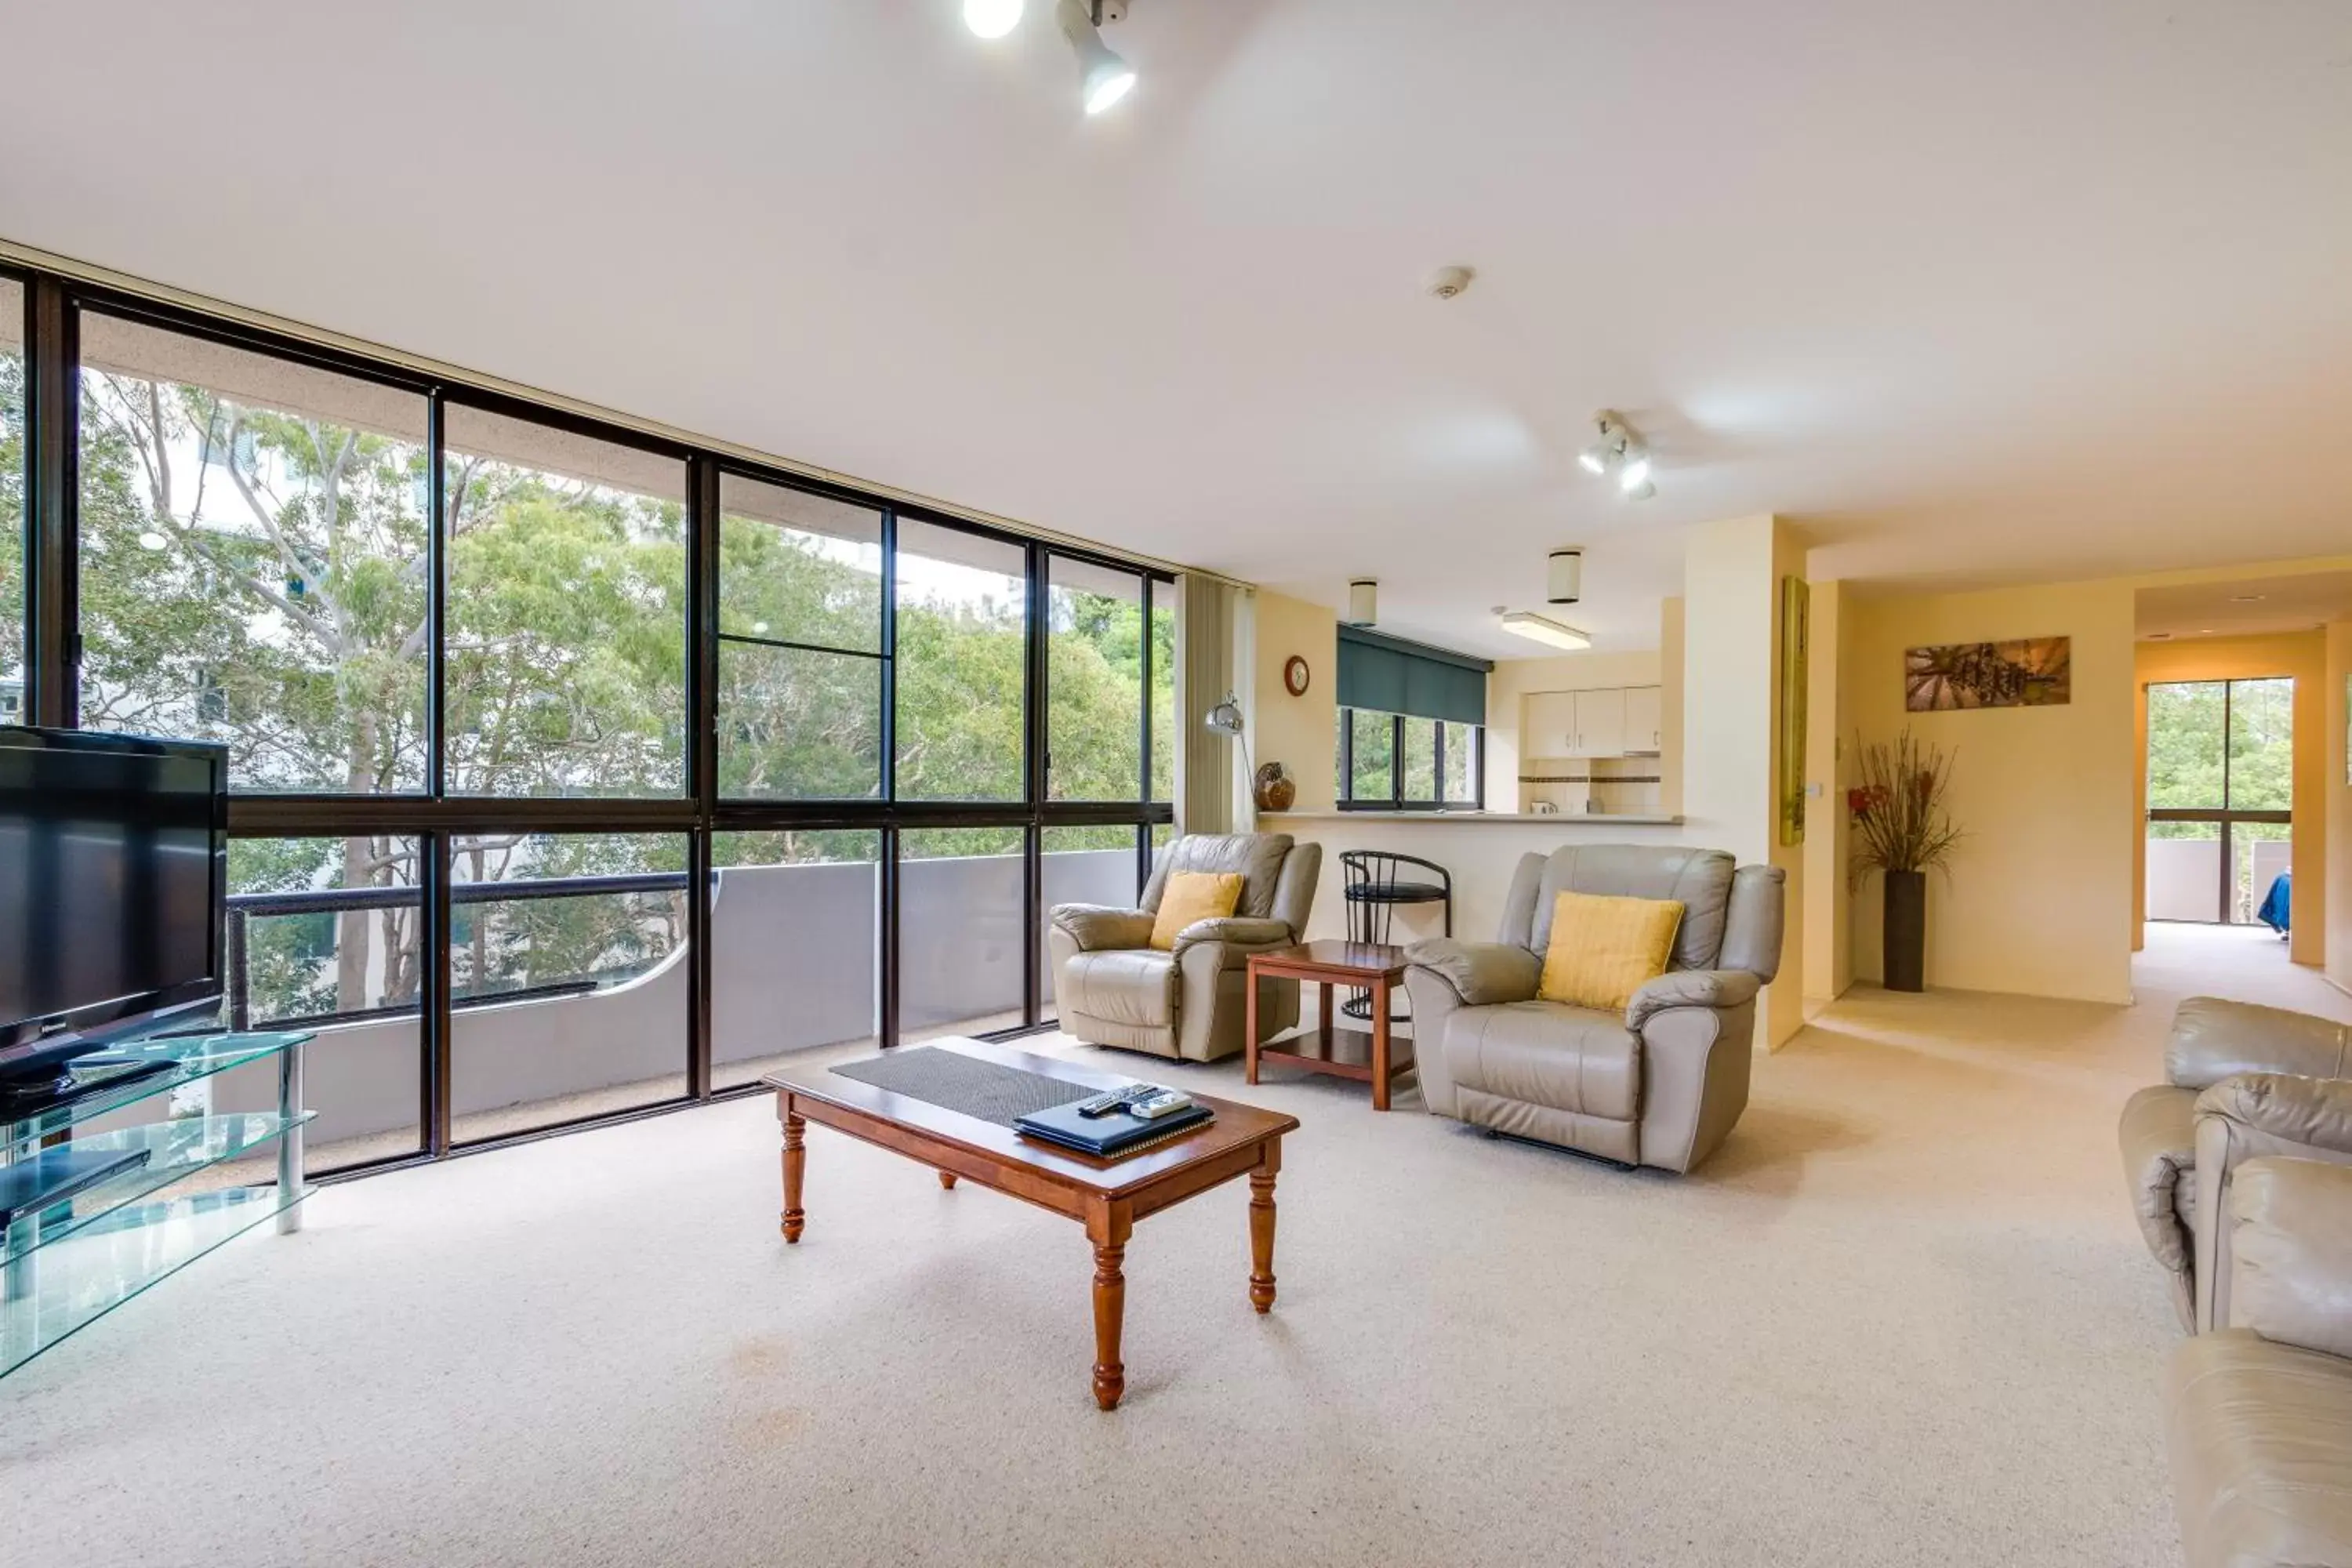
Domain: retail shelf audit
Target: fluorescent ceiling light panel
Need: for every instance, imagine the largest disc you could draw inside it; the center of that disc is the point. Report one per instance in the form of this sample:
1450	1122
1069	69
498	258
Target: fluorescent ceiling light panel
1543	630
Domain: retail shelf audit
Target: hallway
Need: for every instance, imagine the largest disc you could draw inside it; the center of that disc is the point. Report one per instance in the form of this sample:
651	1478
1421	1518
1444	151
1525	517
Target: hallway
2246	963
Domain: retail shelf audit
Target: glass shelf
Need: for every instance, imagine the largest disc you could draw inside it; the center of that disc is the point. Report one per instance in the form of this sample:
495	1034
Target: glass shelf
175	1150
192	1057
62	1288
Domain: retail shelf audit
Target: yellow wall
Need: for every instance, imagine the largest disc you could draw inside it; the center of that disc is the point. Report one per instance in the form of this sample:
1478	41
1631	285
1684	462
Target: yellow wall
1301	733
2303	656
1829	958
2338	795
1731	611
2040	899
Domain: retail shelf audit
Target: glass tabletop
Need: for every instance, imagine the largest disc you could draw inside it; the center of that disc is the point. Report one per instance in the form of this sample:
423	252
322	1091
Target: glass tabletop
186	1058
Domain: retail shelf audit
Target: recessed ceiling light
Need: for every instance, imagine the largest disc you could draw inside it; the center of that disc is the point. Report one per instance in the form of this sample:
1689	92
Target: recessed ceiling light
2205	633
1543	630
2245	598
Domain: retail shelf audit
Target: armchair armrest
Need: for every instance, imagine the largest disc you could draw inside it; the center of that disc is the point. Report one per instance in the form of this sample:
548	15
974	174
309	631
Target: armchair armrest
1096	929
1715	988
2158	1135
2291	1253
2316	1113
1481	972
1239	932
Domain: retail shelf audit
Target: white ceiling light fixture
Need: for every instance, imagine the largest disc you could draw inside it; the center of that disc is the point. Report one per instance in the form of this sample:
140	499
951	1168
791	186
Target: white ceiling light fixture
1621	449
991	18
1106	78
1363	602
1564	577
1544	629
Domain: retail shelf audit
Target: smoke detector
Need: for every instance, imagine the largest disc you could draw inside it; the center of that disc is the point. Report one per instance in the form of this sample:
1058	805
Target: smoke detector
1450	282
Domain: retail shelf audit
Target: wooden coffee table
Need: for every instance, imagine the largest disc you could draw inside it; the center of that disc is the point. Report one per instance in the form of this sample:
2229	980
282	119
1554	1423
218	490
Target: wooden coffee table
1107	1196
1366	1056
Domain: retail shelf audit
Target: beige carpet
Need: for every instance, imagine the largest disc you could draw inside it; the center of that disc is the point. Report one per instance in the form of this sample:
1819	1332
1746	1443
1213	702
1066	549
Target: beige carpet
1904	1317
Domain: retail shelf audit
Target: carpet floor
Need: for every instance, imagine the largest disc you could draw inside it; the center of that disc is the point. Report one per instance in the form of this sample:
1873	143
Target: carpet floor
1903	1317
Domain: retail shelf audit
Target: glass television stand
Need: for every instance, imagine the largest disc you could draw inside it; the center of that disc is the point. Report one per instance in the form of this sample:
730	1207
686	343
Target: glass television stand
71	1263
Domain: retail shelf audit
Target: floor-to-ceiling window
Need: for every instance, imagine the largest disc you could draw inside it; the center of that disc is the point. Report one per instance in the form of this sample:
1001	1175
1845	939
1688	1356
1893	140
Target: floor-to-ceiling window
576	772
2221	757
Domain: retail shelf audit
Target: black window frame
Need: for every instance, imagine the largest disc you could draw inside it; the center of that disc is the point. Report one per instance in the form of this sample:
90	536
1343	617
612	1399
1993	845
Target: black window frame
1396	800
54	303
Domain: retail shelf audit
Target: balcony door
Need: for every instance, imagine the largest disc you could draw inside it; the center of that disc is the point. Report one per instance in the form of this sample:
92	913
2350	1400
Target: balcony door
2221	757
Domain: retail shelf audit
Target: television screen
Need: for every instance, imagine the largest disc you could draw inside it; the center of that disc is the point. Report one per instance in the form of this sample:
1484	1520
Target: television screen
112	866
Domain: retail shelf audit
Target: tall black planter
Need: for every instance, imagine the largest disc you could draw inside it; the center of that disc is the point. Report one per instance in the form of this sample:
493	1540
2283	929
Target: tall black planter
1906	933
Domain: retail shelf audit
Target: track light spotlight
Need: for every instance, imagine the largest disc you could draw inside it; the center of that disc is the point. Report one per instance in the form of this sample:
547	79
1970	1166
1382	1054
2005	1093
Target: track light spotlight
1621	449
1106	78
991	18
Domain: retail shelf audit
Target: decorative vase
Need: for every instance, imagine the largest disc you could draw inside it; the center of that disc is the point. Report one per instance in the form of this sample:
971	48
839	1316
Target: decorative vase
1905	931
1275	788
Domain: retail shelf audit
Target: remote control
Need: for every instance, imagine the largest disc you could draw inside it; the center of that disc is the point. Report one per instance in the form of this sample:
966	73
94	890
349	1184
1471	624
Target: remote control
1167	1102
1113	1100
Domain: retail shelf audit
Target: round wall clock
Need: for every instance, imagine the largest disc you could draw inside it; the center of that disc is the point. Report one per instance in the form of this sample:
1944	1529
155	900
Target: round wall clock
1293	675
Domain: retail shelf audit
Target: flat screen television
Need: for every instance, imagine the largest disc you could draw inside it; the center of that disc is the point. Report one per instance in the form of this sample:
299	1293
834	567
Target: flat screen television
113	879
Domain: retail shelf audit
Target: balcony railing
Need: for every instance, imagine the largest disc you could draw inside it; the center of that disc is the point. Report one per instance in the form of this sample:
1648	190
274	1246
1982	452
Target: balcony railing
795	967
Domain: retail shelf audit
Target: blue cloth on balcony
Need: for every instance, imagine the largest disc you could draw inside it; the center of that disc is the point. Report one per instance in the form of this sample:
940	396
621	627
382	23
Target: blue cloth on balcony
2277	904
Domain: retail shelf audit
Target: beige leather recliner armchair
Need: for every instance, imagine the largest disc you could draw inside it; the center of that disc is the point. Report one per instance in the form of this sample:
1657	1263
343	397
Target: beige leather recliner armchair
2241	1081
1113	988
2259	1412
1658	1085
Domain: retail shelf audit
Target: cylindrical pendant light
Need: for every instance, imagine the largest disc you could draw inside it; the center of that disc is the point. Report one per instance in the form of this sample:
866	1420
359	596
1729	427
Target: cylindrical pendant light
1363	602
1564	579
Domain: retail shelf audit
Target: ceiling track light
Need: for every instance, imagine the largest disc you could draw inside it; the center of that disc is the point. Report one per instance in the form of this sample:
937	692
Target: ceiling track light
1104	78
1620	450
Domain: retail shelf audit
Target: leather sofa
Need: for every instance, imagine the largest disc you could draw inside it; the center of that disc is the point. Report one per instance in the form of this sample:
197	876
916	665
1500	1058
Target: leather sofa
2259	1412
2239	1081
1660	1084
1113	988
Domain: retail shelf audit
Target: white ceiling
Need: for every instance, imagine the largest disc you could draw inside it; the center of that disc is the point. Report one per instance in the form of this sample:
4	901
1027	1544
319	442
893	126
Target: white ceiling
1973	292
2243	606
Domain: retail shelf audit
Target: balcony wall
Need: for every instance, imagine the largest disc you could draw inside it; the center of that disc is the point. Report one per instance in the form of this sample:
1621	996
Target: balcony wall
794	954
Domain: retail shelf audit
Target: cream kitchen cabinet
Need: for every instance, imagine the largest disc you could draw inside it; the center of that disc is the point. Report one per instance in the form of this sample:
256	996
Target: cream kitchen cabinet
1610	722
1645	732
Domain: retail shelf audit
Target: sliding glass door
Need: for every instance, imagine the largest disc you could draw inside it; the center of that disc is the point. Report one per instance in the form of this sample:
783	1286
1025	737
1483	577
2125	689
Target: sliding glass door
2221	757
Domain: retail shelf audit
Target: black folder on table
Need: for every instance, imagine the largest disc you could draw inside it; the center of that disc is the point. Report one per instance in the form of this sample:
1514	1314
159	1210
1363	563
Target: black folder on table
1106	1135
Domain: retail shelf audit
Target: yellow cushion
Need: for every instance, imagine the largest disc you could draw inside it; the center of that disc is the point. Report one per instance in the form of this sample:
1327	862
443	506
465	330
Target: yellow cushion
1192	896
1602	950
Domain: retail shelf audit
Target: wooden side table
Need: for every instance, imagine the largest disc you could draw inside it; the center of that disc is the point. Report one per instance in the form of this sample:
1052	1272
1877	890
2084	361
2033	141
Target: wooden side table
1366	1056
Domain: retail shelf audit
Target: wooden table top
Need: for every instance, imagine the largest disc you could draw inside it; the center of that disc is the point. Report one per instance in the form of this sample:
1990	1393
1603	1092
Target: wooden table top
1341	960
1235	1126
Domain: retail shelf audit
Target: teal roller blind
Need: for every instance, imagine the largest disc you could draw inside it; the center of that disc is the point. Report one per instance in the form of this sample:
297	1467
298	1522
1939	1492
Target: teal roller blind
1390	675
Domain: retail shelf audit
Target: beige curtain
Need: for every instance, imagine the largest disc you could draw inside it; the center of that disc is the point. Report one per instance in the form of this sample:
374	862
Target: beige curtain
1213	635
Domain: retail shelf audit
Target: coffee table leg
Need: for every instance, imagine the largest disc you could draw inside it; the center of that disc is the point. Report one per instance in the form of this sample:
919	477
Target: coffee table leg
795	1159
1261	1217
1108	1228
947	1180
1380	1045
